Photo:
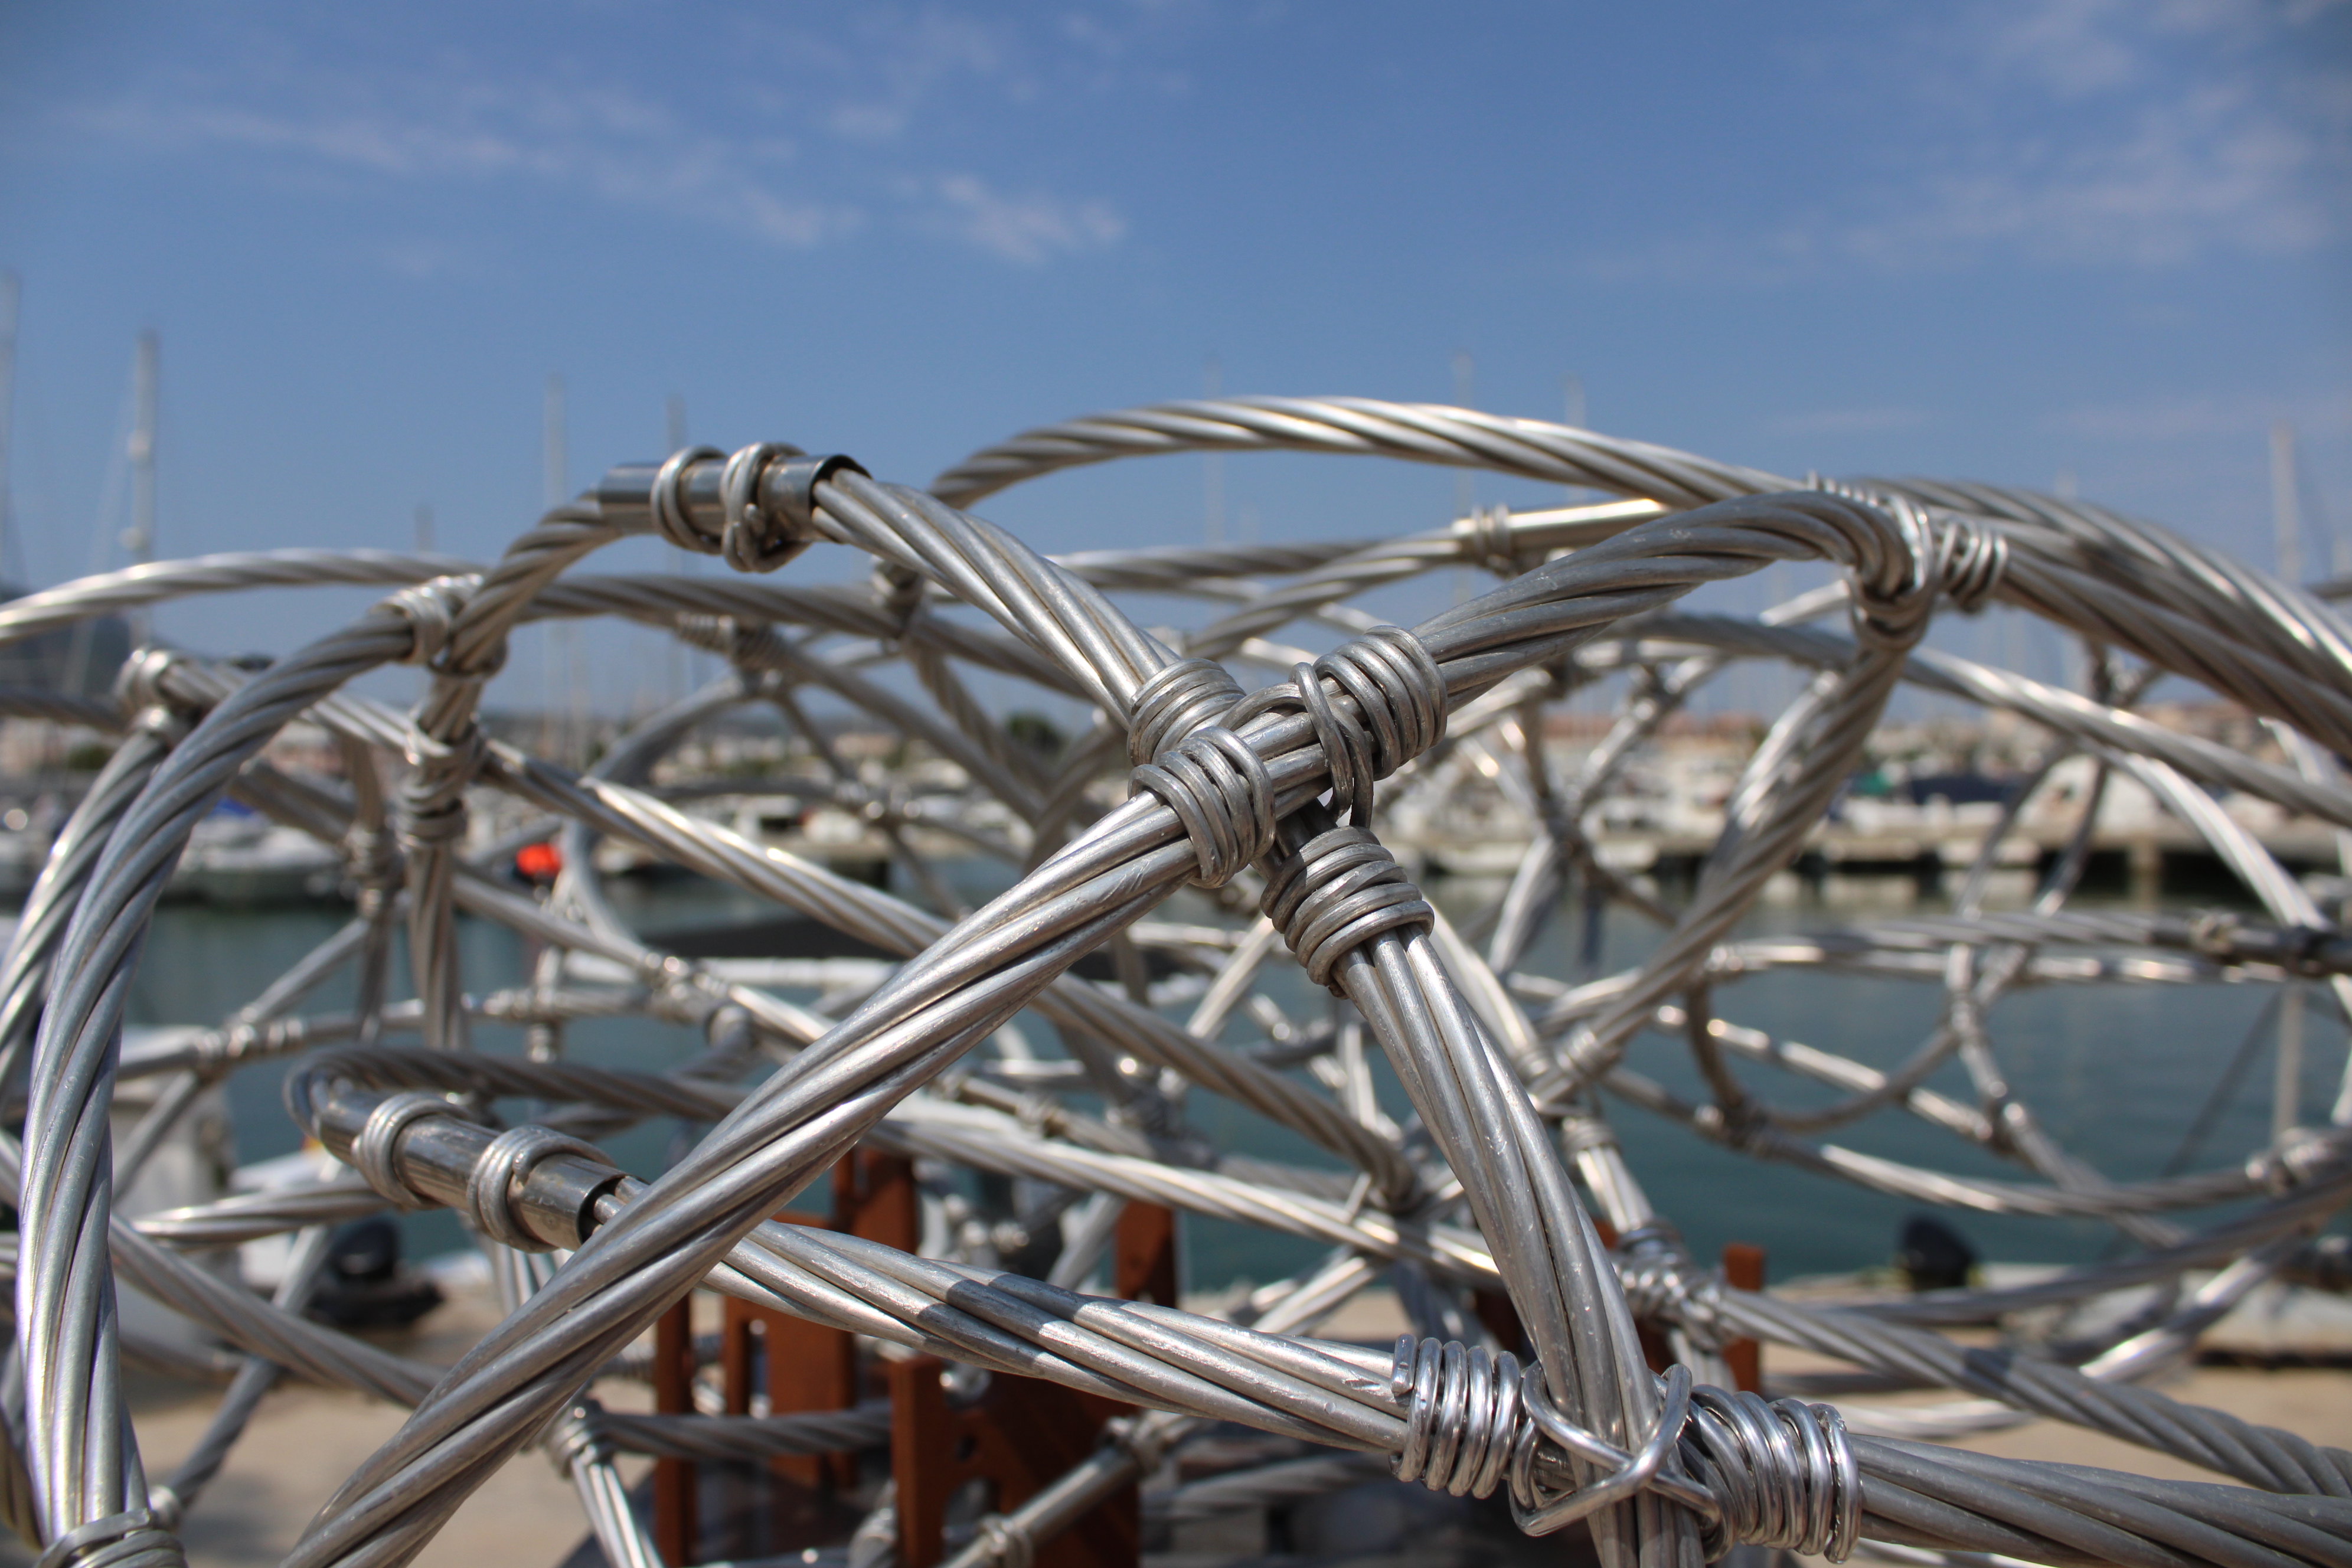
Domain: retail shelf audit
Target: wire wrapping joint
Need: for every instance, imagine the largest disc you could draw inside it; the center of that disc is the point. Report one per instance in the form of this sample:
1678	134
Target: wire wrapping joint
1487	540
1662	1283
754	538
1890	615
372	1150
1463	1415
1780	1470
673	515
433	796
766	502
1775	1473
1004	1541
580	1437
1399	697
505	1166
1340	891
1970	559
432	609
140	691
1220	790
1173	702
133	1540
2300	1157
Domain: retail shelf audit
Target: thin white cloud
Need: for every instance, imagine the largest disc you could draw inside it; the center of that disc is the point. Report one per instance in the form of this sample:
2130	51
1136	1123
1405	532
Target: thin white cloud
1847	421
1028	228
732	155
2132	133
425	260
599	141
2184	419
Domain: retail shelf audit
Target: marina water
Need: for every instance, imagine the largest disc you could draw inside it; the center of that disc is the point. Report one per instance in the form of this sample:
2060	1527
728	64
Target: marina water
2120	1071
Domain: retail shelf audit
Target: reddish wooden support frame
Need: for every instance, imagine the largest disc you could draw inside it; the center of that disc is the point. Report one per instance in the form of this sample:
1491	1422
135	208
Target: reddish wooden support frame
1020	1437
1743	1269
1023	1432
799	1366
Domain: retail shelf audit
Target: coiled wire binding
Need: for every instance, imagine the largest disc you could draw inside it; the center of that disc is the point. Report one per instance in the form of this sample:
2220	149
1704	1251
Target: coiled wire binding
1463	1418
1781	1470
1220	790
1400	710
1342	889
1775	1473
1173	702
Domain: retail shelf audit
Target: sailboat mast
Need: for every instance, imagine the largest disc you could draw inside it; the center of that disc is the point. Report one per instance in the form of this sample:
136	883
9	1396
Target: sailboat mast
11	292
563	694
138	541
2286	511
2286	516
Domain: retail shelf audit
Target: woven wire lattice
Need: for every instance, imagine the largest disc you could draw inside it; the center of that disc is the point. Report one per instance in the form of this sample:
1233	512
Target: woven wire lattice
1225	760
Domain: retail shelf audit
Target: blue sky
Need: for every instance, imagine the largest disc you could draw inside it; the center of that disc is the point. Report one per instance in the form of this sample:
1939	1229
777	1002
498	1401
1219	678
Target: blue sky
2106	237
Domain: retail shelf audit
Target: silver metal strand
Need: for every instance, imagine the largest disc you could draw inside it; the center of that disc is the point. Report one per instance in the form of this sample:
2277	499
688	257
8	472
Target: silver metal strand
673	516
971	1042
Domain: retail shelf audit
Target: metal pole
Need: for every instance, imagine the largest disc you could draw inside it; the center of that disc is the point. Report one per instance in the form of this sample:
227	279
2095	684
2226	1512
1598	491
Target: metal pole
1571	388
2286	1086
139	541
2286	512
1212	464
555	483
11	295
685	671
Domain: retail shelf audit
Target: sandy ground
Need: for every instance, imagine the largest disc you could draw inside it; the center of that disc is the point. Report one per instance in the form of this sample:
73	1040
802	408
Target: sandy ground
304	1441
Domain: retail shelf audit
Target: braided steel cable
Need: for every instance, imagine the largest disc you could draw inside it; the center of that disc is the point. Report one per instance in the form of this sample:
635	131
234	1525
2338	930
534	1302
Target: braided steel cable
1507	1071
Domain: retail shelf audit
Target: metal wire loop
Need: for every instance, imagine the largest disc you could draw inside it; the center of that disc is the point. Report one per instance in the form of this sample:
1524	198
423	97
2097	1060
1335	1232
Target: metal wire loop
372	1151
756	538
131	1539
506	1165
1399	695
1656	1280
1173	702
673	518
580	1434
139	693
1463	1418
431	609
1219	788
2300	1156
1776	1474
1004	1541
1970	558
1487	541
1536	1512
1782	1471
1342	889
433	796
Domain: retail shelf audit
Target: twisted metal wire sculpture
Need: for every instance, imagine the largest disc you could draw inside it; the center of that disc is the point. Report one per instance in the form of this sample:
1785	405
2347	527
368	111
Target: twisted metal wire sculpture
1272	796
